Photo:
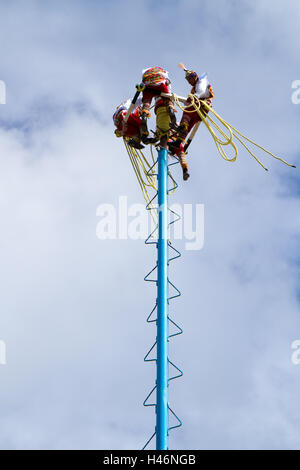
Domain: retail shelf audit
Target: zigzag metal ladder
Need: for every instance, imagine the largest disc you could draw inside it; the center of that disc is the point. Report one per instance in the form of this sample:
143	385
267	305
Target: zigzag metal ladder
162	320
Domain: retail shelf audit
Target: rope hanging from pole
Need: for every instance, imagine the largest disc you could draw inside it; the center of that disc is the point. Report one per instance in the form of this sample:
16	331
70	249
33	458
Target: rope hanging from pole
146	178
232	131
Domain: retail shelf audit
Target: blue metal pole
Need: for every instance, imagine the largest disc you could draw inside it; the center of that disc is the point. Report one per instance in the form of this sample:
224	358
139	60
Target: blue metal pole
162	411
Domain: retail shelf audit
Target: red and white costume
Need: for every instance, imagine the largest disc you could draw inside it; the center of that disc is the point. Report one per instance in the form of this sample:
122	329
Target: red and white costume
133	125
202	90
156	81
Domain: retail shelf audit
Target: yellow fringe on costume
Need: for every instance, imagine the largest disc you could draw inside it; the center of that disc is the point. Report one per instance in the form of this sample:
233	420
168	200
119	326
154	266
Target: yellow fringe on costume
162	121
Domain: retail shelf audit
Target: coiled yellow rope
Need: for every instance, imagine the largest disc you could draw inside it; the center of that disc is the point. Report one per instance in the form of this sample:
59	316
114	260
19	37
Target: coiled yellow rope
228	139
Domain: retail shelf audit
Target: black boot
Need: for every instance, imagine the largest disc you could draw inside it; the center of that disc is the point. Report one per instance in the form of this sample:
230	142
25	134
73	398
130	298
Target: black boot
186	174
135	144
152	140
148	140
171	148
144	127
177	143
173	124
144	137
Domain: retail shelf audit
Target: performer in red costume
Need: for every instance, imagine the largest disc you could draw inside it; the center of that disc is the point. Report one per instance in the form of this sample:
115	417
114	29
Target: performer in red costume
156	81
181	155
200	89
132	128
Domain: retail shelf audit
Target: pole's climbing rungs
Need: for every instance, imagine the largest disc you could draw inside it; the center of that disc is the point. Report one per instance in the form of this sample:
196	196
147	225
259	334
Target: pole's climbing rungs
162	411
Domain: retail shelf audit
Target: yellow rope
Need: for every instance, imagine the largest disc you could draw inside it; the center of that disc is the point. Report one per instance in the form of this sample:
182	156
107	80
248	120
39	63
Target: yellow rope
233	133
146	179
141	167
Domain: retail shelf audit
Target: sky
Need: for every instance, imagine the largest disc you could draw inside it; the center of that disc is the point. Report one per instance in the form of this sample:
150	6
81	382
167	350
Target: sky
73	307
